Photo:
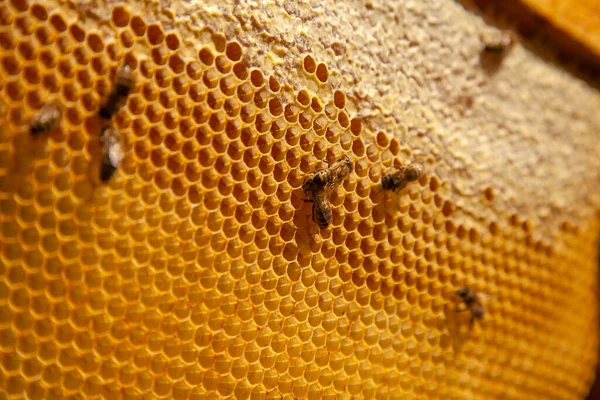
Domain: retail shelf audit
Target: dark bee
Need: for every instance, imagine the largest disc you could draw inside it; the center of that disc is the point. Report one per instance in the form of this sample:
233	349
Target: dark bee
472	302
46	119
399	179
124	82
331	176
321	185
112	153
498	42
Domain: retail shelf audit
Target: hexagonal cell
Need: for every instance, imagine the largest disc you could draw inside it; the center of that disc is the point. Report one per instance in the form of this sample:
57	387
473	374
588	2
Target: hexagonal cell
309	64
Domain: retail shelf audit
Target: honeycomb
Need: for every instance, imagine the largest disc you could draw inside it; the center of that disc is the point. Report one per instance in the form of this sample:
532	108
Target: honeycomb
196	271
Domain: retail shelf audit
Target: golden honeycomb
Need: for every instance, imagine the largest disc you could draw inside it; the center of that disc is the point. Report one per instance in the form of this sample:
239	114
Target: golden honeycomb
197	273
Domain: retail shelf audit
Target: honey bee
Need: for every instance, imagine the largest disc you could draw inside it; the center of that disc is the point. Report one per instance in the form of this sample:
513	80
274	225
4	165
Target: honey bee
498	42
399	179
124	82
320	187
472	302
332	176
46	119
112	153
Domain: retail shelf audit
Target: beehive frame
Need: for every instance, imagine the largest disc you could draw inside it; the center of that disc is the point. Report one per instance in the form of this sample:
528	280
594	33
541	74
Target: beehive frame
196	272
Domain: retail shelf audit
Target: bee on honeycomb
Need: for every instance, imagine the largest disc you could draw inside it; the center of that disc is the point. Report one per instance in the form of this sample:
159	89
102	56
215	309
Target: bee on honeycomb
498	42
472	302
46	119
402	177
112	153
321	185
124	82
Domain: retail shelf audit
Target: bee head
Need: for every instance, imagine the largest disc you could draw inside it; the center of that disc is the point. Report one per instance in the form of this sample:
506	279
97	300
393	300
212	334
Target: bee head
463	292
346	160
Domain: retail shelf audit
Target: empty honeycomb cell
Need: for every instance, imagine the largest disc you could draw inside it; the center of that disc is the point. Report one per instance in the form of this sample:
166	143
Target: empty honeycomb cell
261	98
210	78
305	119
25	25
176	63
223	64
77	33
39	12
155	34
302	98
120	16
206	56
127	39
11	65
316	105
228	85
245	92
137	25
99	65
309	64
70	92
14	90
58	23
257	78
322	73
274	85
343	119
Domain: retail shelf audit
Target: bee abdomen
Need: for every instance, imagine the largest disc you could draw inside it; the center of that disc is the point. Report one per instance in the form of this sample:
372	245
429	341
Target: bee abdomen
107	170
39	128
111	106
322	220
478	312
123	89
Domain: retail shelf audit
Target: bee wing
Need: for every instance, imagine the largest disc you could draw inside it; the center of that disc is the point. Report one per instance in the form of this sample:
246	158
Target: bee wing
323	207
328	190
486	296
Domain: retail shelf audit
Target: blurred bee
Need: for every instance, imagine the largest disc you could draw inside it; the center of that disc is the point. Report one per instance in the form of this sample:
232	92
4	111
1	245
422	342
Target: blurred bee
112	153
321	185
46	119
399	179
124	82
472	302
498	42
331	176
